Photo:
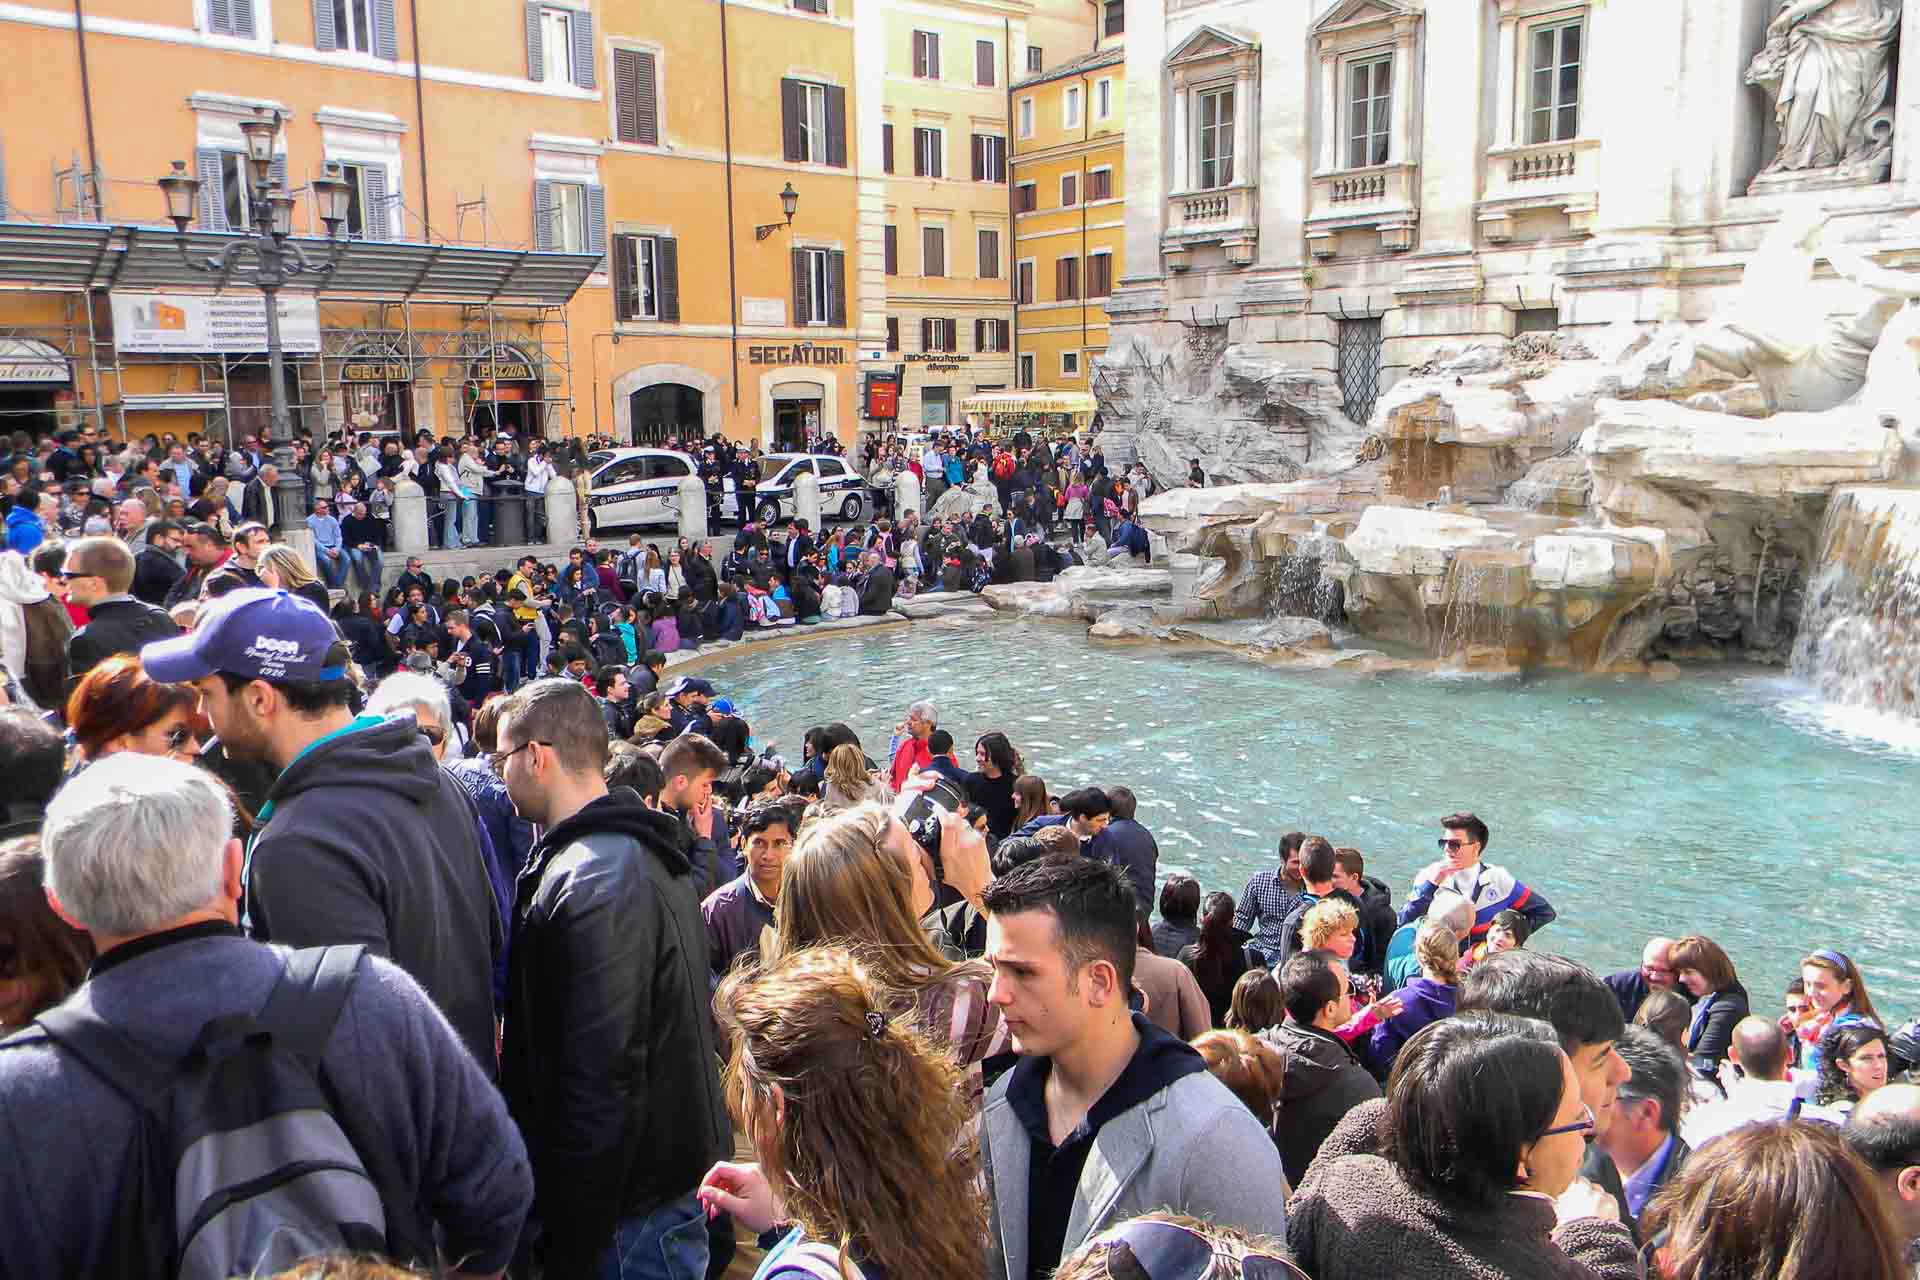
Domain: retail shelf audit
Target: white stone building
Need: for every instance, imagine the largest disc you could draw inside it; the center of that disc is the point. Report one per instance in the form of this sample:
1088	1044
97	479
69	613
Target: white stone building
1322	194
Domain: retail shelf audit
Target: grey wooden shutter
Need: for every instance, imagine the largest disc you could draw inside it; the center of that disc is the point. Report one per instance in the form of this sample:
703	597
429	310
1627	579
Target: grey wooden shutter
837	285
891	254
373	212
213	204
386	40
802	308
626	277
243	24
324	36
793	106
886	148
636	109
580	27
836	126
543	216
666	269
597	222
536	56
220	17
983	63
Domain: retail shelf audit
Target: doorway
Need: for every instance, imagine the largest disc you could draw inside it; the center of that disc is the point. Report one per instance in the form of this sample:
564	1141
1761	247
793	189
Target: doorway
667	410
27	409
795	424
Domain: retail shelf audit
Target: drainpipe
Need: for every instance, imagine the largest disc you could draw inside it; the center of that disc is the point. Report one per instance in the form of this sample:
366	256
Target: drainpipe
1086	263
86	104
733	282
1013	230
420	120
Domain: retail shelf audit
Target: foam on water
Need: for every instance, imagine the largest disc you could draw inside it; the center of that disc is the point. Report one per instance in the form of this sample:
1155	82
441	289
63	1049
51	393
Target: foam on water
1735	805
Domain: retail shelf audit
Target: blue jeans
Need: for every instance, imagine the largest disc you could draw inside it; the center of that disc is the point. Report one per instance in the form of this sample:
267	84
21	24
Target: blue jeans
450	533
470	521
367	565
668	1244
333	569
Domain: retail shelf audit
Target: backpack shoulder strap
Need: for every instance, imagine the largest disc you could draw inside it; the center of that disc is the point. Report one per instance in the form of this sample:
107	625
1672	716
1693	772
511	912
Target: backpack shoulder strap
307	999
135	1072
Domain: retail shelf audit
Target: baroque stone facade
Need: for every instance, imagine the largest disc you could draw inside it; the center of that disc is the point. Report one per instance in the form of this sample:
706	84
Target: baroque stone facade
1322	197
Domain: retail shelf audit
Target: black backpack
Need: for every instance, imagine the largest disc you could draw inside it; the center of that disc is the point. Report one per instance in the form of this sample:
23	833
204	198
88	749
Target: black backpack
243	1162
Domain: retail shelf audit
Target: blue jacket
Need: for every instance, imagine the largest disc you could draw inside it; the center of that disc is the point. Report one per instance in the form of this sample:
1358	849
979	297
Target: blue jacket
1425	1001
24	531
1493	889
1132	848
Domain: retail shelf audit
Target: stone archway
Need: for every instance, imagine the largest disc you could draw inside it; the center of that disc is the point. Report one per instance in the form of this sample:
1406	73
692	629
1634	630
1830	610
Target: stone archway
647	375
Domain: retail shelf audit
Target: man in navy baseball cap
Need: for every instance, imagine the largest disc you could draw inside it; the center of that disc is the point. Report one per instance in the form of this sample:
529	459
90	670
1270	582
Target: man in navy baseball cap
363	837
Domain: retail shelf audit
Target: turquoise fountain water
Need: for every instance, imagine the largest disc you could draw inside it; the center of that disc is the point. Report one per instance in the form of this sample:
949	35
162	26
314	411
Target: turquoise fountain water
1726	803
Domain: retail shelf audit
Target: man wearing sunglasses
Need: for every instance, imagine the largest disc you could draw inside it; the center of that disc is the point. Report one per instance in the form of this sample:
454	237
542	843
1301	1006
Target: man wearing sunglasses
99	577
1489	888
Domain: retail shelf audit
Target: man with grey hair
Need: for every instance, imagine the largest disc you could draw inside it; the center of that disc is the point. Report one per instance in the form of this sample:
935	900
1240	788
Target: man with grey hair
608	1055
910	743
1644	1136
140	854
1449	907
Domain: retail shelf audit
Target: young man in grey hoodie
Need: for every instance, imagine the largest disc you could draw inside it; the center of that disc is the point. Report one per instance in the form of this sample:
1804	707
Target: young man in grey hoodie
1105	1116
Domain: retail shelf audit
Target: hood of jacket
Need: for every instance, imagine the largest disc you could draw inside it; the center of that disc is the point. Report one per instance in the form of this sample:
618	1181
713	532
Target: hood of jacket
18	582
1315	1059
19	516
389	756
1374	893
621	812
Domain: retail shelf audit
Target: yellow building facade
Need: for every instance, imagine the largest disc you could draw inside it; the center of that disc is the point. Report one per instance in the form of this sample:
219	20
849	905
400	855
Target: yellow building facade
1069	185
553	222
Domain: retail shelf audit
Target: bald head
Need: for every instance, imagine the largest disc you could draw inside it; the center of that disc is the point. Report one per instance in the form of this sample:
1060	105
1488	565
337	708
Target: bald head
1884	1131
1760	1048
1887	1103
1656	963
1453	910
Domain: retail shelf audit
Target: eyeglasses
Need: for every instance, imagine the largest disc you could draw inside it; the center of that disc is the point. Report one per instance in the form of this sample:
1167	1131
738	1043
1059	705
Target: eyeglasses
1585	1124
435	734
1146	1250
500	758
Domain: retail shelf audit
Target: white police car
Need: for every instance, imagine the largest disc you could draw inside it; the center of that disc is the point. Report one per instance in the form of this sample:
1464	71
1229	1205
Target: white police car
629	487
843	490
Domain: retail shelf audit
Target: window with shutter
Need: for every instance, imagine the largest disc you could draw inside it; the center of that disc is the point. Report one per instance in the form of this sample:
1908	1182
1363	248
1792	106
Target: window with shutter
376	202
814	122
543	216
933	251
926	55
792	107
811	6
596	222
325	38
213	208
231	18
802	296
836	126
1100	184
1116	17
983	63
636	106
580	26
929	153
891	254
536	56
893	333
1100	275
1066	279
1023	282
989	255
836	269
626	278
1069	190
666	270
989	158
926	335
886	148
1029	197
1036	61
979	335
953	334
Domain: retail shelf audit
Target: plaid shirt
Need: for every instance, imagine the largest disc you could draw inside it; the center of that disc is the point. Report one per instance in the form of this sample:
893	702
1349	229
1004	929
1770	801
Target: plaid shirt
1267	900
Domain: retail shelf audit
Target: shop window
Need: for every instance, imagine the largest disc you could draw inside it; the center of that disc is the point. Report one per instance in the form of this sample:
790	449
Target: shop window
936	406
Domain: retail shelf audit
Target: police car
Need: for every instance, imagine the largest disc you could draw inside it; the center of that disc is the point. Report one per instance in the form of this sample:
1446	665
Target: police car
843	490
629	487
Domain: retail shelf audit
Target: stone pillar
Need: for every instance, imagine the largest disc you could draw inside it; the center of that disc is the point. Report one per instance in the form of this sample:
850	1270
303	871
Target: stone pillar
1906	113
409	518
806	498
563	513
906	493
1451	152
693	509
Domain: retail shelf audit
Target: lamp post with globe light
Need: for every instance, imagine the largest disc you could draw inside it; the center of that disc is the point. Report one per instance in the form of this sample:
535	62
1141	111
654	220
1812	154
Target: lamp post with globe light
276	259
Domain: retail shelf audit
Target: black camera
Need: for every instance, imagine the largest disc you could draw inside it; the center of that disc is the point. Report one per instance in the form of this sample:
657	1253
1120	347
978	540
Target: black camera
920	813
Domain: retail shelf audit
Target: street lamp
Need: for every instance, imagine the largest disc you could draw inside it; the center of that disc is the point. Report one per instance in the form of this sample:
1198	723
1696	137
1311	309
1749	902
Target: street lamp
789	201
276	259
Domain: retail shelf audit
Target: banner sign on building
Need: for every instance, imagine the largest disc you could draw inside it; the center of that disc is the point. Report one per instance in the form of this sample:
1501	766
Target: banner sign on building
198	322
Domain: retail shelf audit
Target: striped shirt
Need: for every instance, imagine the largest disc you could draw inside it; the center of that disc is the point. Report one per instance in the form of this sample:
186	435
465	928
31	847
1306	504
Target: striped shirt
1267	902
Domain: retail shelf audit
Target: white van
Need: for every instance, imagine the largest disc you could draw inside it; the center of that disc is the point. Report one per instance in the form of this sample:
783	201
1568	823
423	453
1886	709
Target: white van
630	487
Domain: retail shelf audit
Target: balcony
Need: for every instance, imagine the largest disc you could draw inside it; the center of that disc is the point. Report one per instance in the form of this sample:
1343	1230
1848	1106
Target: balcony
1227	216
1382	198
1562	177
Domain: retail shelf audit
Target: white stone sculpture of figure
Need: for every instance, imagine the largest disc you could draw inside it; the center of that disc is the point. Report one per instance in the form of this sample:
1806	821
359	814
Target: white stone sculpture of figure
1826	65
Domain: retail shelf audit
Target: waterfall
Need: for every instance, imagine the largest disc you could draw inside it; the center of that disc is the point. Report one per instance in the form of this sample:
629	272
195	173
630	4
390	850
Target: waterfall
1859	640
1299	588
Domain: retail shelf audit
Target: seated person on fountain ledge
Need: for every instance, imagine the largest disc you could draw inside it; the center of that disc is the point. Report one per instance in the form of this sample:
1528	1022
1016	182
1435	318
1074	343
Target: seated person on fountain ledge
1129	542
1491	889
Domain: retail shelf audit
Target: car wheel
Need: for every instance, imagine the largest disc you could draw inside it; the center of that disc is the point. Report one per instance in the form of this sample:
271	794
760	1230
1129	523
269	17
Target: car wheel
850	509
768	512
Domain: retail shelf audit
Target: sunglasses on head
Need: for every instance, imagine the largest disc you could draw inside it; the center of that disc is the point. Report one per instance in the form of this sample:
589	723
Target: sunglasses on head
1147	1250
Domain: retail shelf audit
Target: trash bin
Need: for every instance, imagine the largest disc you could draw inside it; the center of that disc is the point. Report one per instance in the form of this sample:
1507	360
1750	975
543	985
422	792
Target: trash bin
509	512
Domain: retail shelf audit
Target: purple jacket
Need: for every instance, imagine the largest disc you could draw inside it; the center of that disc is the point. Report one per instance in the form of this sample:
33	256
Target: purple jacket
1426	1001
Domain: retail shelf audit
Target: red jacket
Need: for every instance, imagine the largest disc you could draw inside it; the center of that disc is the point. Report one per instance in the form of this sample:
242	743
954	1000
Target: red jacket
911	752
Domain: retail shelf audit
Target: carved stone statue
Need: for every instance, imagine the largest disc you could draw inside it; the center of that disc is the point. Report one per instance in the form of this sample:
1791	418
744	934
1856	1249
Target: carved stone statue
1826	66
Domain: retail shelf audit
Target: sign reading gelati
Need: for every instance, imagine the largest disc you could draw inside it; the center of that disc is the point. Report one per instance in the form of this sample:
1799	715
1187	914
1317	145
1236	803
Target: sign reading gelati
376	371
185	322
798	353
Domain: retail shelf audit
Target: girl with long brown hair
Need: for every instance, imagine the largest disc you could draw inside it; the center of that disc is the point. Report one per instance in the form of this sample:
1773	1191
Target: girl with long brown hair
1029	799
858	1123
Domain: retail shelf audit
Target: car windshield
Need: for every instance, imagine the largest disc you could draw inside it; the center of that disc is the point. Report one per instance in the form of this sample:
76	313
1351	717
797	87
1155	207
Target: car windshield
771	467
599	456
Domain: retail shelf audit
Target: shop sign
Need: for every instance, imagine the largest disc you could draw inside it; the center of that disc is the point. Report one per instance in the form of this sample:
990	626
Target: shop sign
376	371
502	371
883	396
798	353
162	323
14	370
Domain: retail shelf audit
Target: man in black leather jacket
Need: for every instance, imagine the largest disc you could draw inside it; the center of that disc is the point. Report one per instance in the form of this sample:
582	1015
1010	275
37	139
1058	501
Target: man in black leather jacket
608	1062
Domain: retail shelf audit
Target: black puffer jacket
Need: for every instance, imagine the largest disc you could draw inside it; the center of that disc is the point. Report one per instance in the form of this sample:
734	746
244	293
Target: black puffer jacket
608	1063
1324	1081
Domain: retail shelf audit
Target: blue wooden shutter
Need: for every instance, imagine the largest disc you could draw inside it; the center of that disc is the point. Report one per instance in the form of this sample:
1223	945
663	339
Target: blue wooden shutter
378	223
386	41
220	17
536	59
213	204
324	36
543	216
580	25
597	222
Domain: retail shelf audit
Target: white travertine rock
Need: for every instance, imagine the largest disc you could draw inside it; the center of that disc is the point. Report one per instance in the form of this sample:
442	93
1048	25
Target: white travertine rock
1413	541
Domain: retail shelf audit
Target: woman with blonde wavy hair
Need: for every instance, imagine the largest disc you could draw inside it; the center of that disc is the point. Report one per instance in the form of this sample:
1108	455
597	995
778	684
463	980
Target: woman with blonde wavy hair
282	569
848	783
859	880
858	1123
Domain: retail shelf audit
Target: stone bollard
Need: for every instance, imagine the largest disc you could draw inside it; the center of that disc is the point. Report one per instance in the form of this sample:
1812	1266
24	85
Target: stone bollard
906	494
693	509
563	513
806	499
409	518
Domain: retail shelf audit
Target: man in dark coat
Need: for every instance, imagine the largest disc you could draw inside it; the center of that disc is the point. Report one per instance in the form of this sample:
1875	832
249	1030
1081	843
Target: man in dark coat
876	591
99	573
154	568
259	503
1324	1079
1129	846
